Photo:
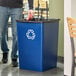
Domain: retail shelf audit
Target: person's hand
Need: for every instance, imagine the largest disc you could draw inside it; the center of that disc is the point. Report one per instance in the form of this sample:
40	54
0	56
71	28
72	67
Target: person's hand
30	15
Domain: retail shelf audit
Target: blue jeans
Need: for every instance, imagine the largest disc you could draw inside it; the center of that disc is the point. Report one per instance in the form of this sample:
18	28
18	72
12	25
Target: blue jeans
15	14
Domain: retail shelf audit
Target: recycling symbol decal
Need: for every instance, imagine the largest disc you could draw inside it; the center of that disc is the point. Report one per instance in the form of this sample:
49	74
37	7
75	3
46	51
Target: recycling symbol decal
30	34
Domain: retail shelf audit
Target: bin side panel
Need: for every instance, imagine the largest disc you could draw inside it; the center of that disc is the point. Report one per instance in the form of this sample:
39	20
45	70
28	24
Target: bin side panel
50	45
30	45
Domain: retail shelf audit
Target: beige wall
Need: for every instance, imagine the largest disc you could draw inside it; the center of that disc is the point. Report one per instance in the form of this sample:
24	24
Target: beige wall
56	10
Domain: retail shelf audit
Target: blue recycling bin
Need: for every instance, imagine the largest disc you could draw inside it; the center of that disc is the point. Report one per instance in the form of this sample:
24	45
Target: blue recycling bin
38	44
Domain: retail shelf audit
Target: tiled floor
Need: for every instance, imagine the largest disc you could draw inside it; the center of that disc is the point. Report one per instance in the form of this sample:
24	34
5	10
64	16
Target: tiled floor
8	70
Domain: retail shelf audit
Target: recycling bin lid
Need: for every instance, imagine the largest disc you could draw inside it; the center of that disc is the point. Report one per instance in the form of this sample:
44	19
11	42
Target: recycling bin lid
39	20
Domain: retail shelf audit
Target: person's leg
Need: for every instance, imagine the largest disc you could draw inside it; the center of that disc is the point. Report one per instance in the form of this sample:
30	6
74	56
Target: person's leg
16	14
3	25
4	46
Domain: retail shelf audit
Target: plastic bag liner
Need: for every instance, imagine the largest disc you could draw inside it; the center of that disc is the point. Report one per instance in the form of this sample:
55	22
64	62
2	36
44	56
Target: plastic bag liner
39	20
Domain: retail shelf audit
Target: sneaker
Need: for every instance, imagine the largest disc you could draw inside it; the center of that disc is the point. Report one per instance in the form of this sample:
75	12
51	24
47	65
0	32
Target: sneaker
5	58
14	63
